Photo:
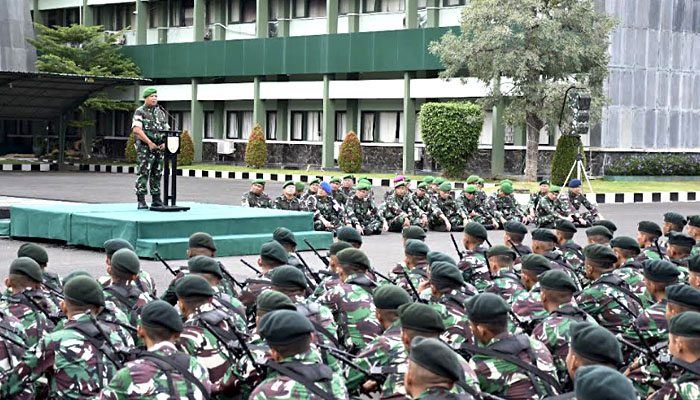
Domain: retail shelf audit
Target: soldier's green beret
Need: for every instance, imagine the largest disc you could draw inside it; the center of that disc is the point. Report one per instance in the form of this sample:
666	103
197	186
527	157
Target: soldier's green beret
435	256
290	277
336	247
506	181
282	327
437	357
273	250
315	180
428	179
363	178
407	178
686	324
485	308
258	182
354	257
606	223
33	251
439	180
204	265
600	253
660	271
391	297
271	300
126	261
473	179
27	267
399	184
535	263
564	225
649	227
625	242
422	185
557	280
684	295
475	229
675	218
507	188
544	182
299	186
544	235
515	227
84	290
445	186
74	274
595	343
112	245
415	247
348	176
481	180
681	239
445	274
288	183
191	286
363	186
599	231
694	220
470	189
349	234
598	382
202	240
501	250
159	313
694	263
148	91
367	181
284	235
335	179
555	189
421	317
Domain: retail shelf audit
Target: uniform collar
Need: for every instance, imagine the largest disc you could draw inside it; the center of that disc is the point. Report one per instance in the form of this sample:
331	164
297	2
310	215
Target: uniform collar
162	345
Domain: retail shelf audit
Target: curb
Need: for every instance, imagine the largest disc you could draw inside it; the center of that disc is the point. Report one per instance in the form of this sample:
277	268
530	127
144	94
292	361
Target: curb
43	167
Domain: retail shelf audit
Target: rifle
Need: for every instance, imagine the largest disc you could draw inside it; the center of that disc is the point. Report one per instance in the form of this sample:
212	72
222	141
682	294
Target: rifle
324	259
93	319
454	242
247	264
309	270
56	292
249	354
159	258
663	368
379	274
515	248
229	276
345	358
413	288
658	248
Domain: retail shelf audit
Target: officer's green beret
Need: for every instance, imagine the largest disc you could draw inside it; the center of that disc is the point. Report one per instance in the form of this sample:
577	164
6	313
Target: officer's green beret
349	234
400	184
290	277
391	297
475	229
439	180
555	189
202	240
204	265
288	183
299	186
544	182
535	263
501	250
367	181
191	286
354	257
284	235
660	271
112	245
598	382
481	181
486	308
258	182
544	235
313	181
428	179
625	242
473	179
415	247
595	343
282	327
470	189
599	231
422	185
564	225
444	274
675	218
271	300
506	181
274	251
335	179
685	324
445	186
694	263
413	232
148	91
435	256
600	253
681	239
27	267
348	176
437	357
336	247
363	186
684	295
649	227
74	274
84	290
507	188
159	313
33	251
126	261
421	317
606	223
515	227
694	220
557	280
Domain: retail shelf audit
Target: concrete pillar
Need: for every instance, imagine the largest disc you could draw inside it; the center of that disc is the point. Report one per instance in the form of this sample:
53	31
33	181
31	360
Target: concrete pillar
218	120
38	17
498	137
87	17
331	16
258	104
409	126
327	160
520	136
411	17
284	16
282	118
199	25
61	125
354	16
351	116
141	21
219	16
161	10
261	18
433	13
196	121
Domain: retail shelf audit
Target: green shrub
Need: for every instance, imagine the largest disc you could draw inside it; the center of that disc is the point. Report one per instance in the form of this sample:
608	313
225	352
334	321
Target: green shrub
130	149
564	156
186	155
256	149
656	165
451	134
350	157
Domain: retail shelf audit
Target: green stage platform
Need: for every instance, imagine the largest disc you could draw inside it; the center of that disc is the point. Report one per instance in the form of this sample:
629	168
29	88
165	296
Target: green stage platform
237	230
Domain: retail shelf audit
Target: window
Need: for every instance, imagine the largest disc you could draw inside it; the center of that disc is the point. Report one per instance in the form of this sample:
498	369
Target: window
63	17
341	125
419	136
209	124
368	123
300	8
181	12
370	6
273	10
422	4
452	3
72	16
271	125
390	127
306	125
344	7
248	11
123	14
177	120
239	124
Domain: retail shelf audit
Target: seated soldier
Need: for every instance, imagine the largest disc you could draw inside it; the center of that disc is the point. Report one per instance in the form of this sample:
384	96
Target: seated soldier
513	235
449	298
272	255
544	243
329	215
679	247
630	270
145	282
400	211
450	218
673	222
350	235
52	286
589	345
535	198
694	271
123	270
473	262
416	253
599	235
288	200
694	231
363	212
527	305
503	205
256	197
648	234
573	253
597	382
504	281
474	209
577	200
546	213
684	343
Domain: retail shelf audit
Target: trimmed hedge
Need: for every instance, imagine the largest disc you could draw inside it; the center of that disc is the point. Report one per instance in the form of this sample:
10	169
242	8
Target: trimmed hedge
256	149
656	165
130	149
186	155
451	134
350	156
564	156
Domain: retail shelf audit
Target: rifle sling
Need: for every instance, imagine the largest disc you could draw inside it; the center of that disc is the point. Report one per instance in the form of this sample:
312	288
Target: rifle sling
289	373
177	366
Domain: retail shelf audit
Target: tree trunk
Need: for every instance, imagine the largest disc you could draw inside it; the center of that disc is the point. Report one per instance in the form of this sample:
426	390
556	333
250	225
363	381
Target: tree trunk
534	125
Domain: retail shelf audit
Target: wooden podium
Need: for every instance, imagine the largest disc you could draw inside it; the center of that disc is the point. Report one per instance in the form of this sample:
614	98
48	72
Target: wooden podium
172	149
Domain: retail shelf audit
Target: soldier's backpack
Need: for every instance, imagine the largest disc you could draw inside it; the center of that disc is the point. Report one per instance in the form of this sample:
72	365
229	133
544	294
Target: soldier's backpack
94	332
179	363
307	375
127	295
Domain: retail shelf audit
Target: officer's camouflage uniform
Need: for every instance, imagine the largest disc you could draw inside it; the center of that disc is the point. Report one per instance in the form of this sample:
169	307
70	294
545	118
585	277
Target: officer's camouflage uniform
35	322
424	202
283	203
253	200
232	307
695	251
558	262
10	350
340	197
149	168
576	201
648	253
631	273
609	305
348	192
324	324
562	205
474	268
396	209
252	289
474	209
506	284
545	214
451	307
364	212
534	200
449	208
504	207
329	209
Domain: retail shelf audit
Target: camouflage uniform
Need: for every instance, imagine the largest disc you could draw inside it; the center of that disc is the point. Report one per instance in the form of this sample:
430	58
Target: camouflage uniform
451	307
149	168
12	337
605	301
364	213
576	201
573	254
449	208
252	288
282	203
528	305
504	207
326	329
329	209
652	324
128	299
695	251
143	378
253	200
545	214
440	393
340	197
505	283
144	283
534	200
35	322
474	268
424	202
474	209
225	286
631	273
648	253
558	262
684	386
397	208
562	206
418	274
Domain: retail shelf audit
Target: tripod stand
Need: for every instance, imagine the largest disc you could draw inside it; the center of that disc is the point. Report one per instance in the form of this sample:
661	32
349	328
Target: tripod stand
580	170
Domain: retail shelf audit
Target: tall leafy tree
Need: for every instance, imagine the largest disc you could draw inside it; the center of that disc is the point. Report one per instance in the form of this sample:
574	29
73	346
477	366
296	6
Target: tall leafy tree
528	52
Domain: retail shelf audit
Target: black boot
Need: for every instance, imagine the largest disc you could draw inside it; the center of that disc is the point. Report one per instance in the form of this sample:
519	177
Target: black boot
141	201
156	201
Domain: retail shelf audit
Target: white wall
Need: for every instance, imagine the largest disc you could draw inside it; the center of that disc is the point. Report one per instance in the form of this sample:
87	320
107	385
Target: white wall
182	34
307	26
381	22
450	16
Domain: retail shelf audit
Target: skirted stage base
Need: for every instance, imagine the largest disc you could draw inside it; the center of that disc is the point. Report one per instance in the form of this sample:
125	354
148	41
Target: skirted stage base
237	230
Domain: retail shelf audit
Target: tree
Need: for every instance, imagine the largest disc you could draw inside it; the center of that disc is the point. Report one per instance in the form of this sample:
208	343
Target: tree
568	146
256	149
186	155
528	52
350	154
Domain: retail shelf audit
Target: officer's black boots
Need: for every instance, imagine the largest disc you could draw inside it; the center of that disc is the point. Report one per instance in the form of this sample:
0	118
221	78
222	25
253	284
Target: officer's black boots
141	200
156	201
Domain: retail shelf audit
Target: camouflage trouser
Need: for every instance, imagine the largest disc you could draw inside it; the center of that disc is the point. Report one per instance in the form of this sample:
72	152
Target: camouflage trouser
371	226
437	224
318	226
544	222
149	170
396	223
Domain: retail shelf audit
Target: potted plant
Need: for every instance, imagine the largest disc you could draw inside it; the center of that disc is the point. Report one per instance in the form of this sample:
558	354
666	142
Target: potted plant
38	146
